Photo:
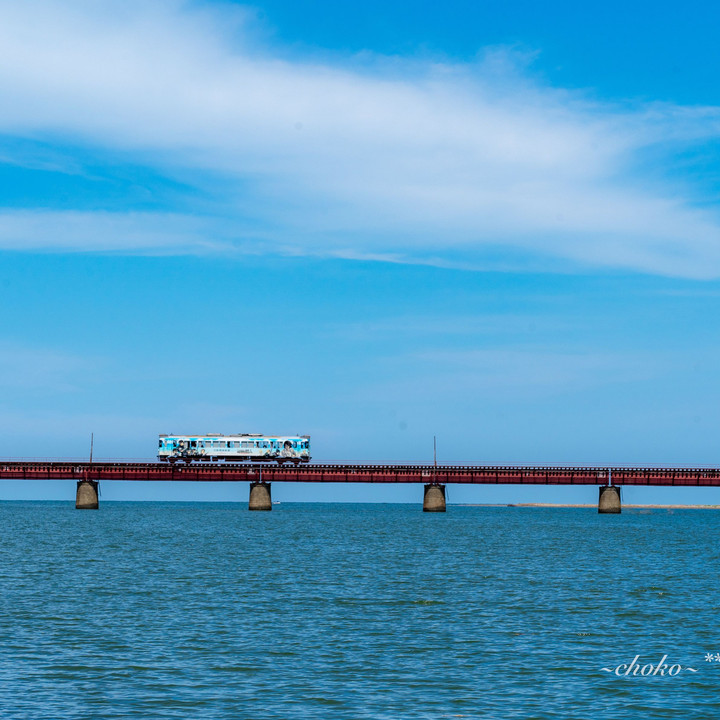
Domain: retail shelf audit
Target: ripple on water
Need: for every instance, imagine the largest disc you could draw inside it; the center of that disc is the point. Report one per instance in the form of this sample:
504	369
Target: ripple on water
186	611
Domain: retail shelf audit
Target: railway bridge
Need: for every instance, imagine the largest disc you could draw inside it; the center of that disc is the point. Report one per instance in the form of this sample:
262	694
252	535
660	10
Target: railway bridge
434	478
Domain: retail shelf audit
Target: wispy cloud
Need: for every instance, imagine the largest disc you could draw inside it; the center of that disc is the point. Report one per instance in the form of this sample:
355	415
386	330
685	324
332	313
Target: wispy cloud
109	232
459	326
437	378
38	369
369	157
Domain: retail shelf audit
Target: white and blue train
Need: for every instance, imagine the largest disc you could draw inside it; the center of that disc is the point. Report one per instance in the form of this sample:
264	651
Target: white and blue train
234	448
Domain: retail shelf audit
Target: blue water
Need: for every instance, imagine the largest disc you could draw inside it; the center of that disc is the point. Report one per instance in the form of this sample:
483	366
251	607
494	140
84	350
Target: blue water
163	610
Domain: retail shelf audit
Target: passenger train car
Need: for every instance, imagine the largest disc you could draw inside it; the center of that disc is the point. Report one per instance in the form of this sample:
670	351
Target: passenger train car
234	448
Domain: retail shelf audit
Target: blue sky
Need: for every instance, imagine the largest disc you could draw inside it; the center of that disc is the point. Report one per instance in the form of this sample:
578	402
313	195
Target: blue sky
493	222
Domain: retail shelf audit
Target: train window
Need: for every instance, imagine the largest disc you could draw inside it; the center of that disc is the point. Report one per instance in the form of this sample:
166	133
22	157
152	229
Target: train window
160	444
193	443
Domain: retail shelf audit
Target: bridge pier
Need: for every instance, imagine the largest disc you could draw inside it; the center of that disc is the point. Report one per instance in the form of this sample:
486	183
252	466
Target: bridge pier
609	499
260	497
434	498
86	497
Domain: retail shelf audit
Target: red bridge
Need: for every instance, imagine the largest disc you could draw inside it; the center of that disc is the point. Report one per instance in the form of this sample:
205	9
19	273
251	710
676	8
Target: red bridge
464	474
609	479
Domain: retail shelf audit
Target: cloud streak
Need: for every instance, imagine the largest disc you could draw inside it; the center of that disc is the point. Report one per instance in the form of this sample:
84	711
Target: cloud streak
42	370
371	157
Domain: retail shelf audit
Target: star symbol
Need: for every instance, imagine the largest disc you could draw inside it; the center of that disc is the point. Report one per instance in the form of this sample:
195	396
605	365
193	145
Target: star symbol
709	657
717	657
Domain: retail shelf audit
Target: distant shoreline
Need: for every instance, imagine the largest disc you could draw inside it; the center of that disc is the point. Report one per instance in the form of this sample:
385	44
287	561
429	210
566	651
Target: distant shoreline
591	505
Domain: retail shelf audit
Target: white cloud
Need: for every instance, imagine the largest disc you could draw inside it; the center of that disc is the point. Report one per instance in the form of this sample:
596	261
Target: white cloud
387	159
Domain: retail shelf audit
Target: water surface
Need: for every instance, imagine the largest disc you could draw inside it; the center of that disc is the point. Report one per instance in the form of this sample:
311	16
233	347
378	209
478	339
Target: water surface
171	610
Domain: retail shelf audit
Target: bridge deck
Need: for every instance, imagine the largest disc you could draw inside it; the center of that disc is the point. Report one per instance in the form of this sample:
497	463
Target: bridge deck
462	474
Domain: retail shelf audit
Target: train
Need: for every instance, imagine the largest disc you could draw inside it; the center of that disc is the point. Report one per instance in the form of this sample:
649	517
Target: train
234	448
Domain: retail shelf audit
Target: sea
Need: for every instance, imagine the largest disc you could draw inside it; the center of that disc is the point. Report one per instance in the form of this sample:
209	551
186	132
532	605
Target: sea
357	611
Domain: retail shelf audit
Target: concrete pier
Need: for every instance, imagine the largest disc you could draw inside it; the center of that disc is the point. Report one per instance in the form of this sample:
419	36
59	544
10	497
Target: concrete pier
260	498
609	499
86	497
434	498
